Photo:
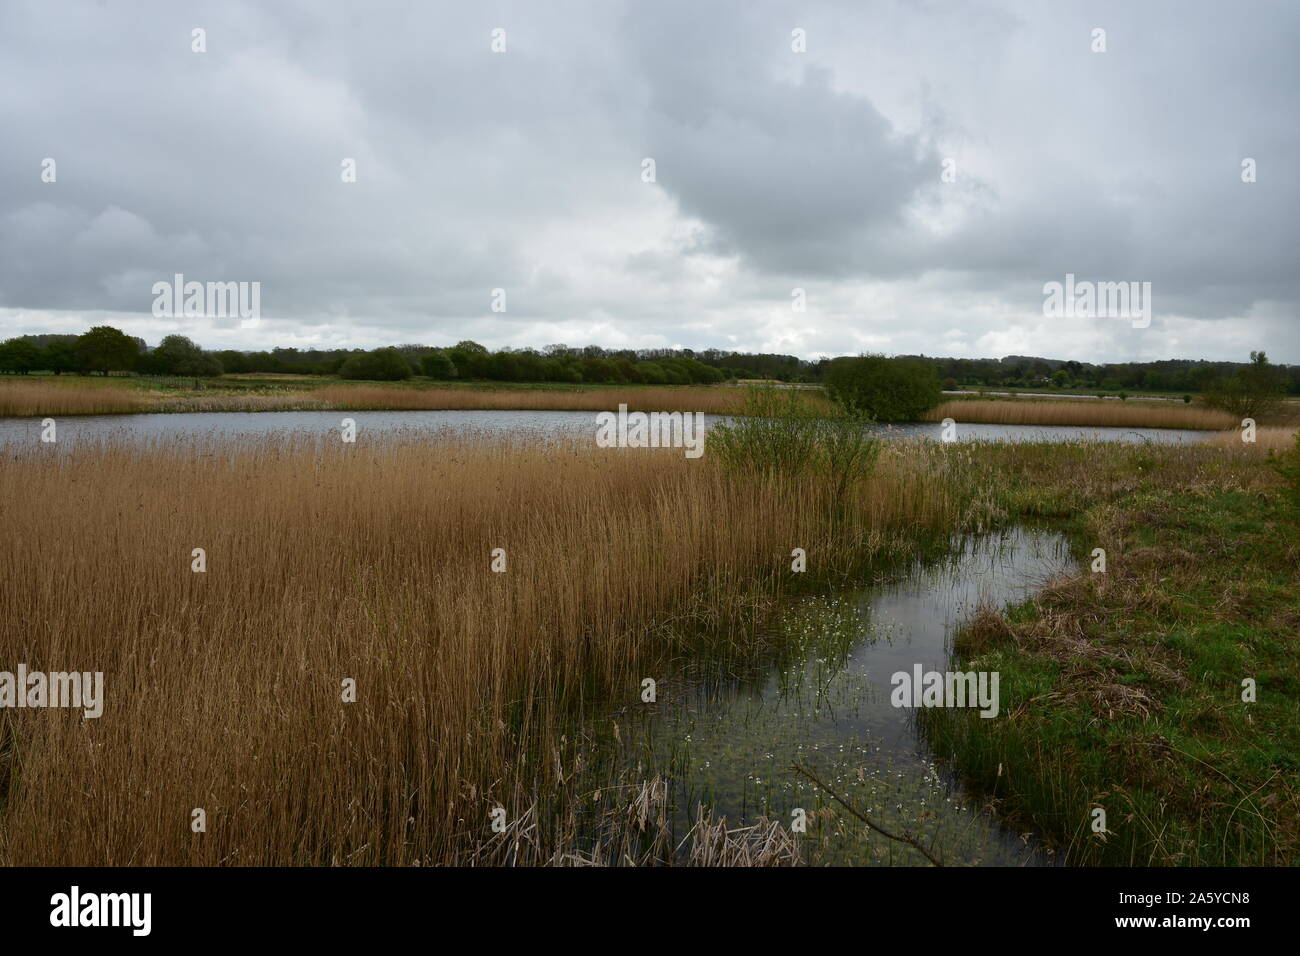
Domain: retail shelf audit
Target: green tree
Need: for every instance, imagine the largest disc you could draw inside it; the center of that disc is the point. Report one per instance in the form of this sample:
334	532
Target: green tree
105	349
177	355
884	389
381	365
19	356
471	359
61	355
1255	391
437	365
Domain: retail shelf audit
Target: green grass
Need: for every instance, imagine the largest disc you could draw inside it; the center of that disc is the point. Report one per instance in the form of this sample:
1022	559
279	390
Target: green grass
1123	690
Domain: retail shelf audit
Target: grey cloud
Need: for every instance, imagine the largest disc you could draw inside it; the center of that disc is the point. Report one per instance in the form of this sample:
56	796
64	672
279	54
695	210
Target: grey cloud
774	169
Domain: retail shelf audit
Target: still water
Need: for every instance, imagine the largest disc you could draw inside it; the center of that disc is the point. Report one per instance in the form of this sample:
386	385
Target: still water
730	744
539	423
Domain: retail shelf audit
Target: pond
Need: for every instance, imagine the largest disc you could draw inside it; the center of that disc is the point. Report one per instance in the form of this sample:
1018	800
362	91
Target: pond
540	423
730	744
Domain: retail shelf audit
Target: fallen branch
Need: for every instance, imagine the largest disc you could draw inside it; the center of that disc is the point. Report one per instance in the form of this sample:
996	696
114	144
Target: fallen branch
905	838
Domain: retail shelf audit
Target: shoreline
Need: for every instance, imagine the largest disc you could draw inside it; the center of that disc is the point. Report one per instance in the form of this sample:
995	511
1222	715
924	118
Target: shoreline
33	399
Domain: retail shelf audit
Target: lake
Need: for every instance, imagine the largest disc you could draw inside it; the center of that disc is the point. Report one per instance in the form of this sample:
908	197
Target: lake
541	423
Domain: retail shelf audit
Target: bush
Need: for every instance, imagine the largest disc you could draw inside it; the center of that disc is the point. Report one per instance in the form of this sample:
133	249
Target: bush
1255	391
883	389
780	431
381	365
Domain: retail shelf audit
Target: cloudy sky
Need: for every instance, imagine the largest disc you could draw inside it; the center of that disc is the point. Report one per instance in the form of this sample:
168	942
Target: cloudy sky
774	170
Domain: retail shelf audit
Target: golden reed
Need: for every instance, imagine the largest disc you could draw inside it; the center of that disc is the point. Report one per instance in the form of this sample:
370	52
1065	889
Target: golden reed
370	562
79	398
1094	413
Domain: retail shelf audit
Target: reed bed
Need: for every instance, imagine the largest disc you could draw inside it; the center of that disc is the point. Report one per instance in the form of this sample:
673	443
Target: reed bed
371	562
1100	414
721	400
237	402
1267	438
47	398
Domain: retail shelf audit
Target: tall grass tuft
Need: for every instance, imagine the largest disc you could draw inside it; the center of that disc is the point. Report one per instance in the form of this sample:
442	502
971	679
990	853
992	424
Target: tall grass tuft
780	431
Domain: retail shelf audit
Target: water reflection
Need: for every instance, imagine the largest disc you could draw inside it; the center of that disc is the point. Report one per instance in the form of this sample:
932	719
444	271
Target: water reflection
825	704
73	428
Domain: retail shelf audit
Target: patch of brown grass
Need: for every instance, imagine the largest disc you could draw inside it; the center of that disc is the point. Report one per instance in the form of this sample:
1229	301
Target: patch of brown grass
1097	413
720	400
21	399
1274	438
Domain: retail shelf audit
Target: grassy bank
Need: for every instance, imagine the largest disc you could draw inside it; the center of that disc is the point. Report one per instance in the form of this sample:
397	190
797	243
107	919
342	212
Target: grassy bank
371	562
1122	690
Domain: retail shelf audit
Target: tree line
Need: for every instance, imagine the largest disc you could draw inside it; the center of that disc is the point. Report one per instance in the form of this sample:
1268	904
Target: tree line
106	350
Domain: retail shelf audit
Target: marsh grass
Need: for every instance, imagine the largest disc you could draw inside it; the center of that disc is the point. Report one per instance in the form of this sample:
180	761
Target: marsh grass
1122	689
82	396
1021	411
371	562
73	397
778	431
1275	439
720	400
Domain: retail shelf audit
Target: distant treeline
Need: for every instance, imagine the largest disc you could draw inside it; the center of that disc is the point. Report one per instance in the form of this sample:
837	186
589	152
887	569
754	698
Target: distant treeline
106	350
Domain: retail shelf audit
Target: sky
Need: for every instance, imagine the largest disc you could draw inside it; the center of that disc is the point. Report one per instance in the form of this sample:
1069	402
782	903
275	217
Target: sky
919	170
